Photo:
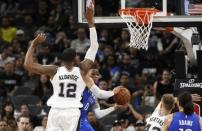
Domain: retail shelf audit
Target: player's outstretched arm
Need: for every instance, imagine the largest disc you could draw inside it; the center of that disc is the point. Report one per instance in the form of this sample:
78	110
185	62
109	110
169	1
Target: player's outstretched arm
102	94
33	66
91	53
102	113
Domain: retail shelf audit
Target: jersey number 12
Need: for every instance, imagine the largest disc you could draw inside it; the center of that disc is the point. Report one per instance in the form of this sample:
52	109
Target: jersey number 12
71	90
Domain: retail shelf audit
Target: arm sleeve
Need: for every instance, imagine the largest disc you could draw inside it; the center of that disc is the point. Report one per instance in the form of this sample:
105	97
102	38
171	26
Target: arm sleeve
91	53
101	113
102	94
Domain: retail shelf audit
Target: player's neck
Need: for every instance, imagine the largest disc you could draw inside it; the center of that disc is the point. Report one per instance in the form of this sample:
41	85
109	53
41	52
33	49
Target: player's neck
69	66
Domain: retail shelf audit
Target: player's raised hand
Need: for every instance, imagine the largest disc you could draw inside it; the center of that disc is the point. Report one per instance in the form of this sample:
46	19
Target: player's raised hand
40	38
90	13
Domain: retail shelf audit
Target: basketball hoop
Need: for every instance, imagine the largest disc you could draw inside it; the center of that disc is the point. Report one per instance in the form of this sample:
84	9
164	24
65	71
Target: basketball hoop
140	31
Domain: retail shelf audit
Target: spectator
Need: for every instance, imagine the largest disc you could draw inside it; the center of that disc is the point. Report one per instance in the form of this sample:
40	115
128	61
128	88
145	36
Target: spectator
124	81
70	30
126	65
42	14
24	123
29	27
4	126
19	68
44	90
116	126
50	27
81	43
130	114
31	81
9	78
104	36
126	126
139	125
16	47
25	111
21	37
8	7
61	42
164	85
43	124
111	66
122	42
6	56
7	114
7	31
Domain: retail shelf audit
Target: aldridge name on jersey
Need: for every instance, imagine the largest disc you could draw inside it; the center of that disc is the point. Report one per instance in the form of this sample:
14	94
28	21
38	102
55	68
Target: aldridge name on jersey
71	77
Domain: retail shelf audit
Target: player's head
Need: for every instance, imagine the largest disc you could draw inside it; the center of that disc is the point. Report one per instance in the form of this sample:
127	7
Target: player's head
68	55
185	102
168	102
94	73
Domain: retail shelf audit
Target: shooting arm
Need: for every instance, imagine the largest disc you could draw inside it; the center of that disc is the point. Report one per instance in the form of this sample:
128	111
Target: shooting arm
102	94
101	113
91	53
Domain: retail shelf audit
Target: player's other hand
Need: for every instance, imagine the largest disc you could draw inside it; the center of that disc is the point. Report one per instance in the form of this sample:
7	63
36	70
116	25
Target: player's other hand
90	13
40	38
196	97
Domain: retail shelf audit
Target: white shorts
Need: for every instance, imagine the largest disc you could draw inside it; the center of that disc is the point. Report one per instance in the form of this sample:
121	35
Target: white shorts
63	119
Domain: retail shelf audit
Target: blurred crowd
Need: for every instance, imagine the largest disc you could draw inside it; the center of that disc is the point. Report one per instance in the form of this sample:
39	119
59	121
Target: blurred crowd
147	74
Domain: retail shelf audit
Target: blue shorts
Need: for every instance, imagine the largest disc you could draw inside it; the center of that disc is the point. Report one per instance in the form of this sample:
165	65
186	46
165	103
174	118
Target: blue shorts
85	125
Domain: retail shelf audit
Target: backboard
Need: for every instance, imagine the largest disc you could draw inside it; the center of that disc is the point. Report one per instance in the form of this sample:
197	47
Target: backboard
182	13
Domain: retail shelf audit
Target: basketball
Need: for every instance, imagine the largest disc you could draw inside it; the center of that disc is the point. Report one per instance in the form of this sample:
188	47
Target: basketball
123	96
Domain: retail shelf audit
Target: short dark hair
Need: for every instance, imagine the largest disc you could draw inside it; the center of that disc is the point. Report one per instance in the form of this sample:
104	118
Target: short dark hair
94	66
185	101
68	55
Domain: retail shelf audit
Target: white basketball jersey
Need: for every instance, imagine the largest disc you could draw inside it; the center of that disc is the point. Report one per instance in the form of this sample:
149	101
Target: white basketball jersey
155	122
68	87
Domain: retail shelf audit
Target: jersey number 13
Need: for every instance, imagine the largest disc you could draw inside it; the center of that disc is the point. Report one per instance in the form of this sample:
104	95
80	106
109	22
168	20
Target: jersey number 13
70	92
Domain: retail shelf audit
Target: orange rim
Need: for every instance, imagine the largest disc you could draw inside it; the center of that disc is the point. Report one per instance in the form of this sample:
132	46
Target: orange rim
133	11
139	13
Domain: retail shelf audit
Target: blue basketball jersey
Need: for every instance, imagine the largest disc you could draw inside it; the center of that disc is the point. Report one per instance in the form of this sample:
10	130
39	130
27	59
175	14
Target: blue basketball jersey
182	122
88	101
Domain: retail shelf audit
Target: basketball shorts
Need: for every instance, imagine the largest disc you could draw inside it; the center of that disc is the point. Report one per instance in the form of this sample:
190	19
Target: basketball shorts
63	119
85	125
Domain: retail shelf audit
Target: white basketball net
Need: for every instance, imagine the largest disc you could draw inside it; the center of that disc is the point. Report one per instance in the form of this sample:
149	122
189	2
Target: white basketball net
139	31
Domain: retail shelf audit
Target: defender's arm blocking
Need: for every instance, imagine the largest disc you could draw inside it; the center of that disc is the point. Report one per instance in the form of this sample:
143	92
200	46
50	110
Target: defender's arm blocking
33	66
